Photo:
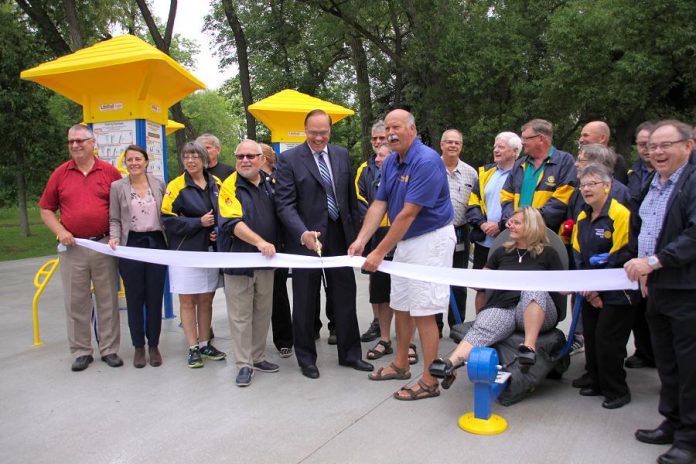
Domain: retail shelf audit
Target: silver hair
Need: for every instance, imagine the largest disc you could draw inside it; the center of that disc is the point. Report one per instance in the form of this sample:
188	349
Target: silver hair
197	148
461	136
203	138
259	150
598	170
378	126
598	153
513	141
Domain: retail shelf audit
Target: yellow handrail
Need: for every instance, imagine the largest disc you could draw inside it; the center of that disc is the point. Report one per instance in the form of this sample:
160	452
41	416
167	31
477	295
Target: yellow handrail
119	164
46	272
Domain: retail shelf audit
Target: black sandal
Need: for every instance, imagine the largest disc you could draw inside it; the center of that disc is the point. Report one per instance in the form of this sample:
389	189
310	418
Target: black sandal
373	353
443	368
526	356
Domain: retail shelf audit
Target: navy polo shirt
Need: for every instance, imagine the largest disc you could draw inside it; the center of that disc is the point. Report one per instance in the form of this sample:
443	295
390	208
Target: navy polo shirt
420	179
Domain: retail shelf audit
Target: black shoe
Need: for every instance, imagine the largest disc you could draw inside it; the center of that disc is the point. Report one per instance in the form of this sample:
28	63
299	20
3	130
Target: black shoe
637	362
285	352
112	360
195	360
332	337
526	356
677	455
244	376
358	365
310	371
658	436
81	362
583	381
590	391
210	352
265	366
372	333
616	403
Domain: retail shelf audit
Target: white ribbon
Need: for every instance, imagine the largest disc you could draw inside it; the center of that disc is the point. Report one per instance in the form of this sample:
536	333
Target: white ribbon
550	281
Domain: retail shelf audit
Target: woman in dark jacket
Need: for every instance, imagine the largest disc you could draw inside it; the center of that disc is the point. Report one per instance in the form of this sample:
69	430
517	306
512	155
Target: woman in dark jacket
189	211
134	220
600	240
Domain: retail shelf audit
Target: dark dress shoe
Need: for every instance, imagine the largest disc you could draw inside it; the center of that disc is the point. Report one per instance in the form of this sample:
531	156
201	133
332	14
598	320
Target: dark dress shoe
81	362
677	455
332	337
637	362
590	391
658	436
583	381
155	356
139	358
310	371
359	365
616	403
113	360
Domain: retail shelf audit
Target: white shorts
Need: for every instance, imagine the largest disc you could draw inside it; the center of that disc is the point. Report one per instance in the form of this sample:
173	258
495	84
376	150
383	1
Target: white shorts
193	280
420	298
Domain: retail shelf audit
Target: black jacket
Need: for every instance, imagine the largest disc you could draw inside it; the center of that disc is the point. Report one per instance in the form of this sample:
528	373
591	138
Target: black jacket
183	205
676	243
241	201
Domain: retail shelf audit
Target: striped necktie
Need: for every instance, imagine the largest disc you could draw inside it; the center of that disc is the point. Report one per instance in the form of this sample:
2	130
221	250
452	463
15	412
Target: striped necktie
328	186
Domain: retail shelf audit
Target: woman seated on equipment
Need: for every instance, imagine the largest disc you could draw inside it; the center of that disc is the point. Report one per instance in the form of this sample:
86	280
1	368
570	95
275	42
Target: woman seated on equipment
506	311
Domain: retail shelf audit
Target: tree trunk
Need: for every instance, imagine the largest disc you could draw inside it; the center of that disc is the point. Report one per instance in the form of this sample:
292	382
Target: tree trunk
76	40
182	135
21	194
364	98
243	61
48	30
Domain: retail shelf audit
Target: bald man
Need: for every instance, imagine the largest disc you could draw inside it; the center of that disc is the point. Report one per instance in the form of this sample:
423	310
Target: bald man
599	132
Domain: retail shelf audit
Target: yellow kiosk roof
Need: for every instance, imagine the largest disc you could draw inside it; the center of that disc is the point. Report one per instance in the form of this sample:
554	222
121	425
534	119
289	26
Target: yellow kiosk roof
284	113
121	78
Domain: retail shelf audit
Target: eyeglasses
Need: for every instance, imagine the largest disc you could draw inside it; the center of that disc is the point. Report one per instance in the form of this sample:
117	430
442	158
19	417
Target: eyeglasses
78	141
642	144
318	133
243	156
664	145
191	156
530	137
589	185
379	137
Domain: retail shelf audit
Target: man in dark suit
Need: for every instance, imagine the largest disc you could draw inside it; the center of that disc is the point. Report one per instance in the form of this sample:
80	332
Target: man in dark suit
316	202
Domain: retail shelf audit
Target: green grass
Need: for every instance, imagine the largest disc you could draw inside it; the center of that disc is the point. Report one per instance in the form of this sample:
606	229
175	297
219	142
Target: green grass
41	242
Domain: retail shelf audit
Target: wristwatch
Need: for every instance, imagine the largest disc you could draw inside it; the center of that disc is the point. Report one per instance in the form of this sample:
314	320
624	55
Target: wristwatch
653	262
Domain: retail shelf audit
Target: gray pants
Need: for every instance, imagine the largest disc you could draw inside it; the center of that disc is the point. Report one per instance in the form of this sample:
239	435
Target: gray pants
495	324
249	306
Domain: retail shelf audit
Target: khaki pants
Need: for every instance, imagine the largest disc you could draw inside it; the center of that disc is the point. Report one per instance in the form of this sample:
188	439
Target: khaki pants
249	306
79	269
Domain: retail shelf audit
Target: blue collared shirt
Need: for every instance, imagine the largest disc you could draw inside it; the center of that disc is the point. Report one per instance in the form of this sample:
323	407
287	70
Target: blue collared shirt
491	195
652	212
420	179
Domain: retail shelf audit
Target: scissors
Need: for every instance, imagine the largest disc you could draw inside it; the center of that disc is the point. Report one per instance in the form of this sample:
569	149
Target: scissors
318	250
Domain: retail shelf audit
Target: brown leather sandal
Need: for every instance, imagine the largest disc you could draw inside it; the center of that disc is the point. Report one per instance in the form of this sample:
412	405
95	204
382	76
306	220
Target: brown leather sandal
420	391
412	356
398	374
374	353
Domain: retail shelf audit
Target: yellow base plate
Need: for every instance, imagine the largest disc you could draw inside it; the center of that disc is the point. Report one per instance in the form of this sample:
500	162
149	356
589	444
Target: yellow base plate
492	426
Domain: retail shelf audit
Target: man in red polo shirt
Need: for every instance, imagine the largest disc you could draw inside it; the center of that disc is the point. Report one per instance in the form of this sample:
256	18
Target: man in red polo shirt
79	188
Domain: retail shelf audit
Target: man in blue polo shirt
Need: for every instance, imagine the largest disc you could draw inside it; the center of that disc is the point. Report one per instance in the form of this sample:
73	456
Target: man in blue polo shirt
415	194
